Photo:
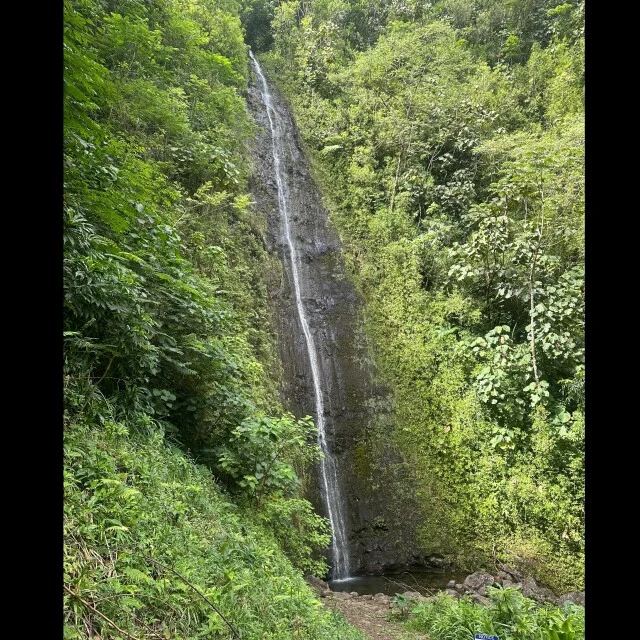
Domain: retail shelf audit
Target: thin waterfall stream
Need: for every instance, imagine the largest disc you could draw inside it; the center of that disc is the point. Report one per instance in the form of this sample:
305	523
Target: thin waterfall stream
331	494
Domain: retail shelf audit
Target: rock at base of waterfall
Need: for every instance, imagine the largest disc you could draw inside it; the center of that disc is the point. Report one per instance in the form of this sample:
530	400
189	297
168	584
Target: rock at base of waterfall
577	597
512	584
478	599
478	579
381	598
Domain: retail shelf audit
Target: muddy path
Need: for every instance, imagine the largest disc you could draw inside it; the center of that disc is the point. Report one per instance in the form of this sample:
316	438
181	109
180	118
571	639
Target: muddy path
370	614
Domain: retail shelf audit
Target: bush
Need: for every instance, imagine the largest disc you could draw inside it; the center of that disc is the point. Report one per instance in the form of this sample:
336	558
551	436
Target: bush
510	616
153	548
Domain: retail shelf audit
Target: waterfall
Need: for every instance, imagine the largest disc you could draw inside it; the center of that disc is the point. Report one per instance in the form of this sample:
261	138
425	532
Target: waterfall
328	468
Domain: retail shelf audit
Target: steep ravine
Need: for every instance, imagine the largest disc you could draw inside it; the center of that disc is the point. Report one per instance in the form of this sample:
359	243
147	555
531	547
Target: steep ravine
375	491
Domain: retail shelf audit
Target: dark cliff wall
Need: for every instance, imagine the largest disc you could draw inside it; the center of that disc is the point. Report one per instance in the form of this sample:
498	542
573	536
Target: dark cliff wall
375	485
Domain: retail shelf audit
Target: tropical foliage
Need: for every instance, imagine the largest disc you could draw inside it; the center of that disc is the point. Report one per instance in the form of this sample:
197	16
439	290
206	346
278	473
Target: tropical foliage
509	615
167	343
452	138
153	549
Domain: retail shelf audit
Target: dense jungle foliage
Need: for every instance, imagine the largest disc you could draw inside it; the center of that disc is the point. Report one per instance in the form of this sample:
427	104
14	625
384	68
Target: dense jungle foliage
168	356
508	615
449	136
452	136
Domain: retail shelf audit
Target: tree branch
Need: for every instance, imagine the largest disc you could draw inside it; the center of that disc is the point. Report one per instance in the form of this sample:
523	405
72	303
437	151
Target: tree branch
94	610
213	606
532	343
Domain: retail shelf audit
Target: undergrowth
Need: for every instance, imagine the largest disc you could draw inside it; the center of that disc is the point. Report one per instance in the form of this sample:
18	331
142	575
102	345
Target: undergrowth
154	549
510	616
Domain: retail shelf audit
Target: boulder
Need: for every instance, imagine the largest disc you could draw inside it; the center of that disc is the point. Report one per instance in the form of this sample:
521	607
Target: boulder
577	597
531	589
516	575
325	593
380	598
451	584
452	593
477	580
509	583
355	594
342	595
544	594
477	598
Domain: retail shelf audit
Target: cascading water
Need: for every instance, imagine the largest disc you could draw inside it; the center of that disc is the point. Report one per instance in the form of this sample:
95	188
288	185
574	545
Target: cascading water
328	468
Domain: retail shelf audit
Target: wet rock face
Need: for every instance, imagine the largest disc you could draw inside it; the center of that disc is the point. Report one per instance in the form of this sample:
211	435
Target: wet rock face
356	405
377	561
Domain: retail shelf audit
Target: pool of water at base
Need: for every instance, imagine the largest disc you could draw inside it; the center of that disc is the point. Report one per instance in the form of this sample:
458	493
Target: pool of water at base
424	582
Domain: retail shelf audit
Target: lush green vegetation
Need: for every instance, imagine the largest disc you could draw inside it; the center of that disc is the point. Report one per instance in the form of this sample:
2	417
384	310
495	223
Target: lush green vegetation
153	549
452	138
509	615
452	135
168	356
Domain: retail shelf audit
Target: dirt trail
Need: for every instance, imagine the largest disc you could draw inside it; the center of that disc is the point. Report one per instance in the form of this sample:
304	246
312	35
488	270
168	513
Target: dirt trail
370	615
